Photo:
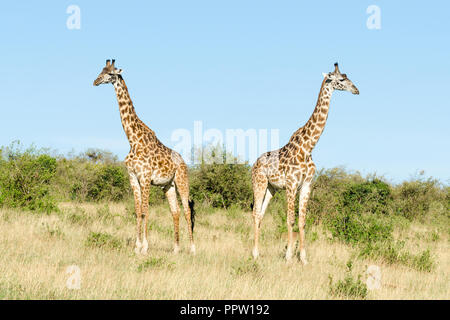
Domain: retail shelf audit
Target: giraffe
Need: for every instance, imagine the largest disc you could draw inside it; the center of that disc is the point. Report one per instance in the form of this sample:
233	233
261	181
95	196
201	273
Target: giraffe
291	167
149	162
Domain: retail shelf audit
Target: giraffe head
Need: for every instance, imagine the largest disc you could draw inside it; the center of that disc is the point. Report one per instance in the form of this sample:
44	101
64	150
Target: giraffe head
109	74
339	81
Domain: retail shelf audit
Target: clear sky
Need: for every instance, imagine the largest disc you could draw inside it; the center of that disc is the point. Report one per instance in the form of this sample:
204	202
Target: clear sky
234	64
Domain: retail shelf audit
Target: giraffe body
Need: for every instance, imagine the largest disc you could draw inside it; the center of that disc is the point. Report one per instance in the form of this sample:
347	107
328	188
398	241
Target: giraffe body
149	162
291	167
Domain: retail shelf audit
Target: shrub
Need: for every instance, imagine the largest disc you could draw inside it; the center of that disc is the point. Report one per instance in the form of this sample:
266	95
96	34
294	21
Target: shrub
414	198
349	287
355	228
327	192
25	178
372	196
110	183
423	261
222	185
82	179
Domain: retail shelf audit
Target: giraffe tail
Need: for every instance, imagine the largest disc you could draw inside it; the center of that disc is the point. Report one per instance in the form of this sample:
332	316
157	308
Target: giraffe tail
191	206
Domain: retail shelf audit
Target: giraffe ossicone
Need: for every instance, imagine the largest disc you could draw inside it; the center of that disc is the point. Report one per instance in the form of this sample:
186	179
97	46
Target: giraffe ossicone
291	167
149	162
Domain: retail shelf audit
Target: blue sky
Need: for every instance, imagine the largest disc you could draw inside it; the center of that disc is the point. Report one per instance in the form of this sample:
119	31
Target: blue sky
234	64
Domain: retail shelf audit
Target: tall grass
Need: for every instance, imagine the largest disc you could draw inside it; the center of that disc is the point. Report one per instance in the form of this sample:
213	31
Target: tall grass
37	251
88	208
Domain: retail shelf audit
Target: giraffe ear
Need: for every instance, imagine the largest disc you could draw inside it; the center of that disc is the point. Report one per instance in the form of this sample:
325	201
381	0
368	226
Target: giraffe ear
324	74
118	71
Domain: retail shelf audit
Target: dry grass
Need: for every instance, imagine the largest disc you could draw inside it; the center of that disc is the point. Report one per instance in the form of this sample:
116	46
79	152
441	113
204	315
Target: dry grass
36	250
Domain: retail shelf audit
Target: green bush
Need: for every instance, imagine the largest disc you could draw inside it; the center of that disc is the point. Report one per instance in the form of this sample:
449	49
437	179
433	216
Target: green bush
110	183
348	287
369	196
222	185
415	198
25	179
354	228
82	179
354	208
327	191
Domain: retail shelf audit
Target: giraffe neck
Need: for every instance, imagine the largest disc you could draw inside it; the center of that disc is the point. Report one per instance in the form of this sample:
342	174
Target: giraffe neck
309	134
128	116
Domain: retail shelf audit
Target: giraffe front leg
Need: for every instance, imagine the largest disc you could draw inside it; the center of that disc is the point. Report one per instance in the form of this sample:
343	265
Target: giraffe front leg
303	202
290	193
134	182
145	190
304	196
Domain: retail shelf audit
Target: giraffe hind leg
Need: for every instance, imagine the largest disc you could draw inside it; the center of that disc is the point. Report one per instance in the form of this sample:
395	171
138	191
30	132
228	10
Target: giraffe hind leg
182	185
260	184
171	195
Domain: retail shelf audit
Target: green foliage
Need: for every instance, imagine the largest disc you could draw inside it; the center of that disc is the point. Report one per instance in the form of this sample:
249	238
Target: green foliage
356	210
415	198
327	192
423	261
394	253
156	196
109	183
103	240
222	185
369	196
25	178
348	287
81	179
352	227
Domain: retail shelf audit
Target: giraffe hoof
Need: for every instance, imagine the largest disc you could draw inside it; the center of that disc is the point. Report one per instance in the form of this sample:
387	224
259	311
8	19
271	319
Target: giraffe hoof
176	249
303	258
138	247
255	253
289	255
144	247
193	249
